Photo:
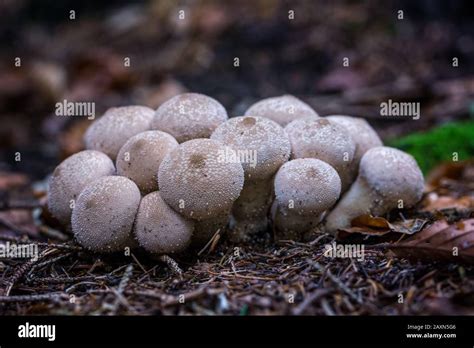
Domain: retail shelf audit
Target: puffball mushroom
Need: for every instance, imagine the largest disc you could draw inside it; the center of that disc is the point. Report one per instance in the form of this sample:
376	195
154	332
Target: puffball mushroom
140	157
304	190
105	211
189	116
388	178
71	176
262	146
159	229
363	135
196	180
282	109
315	137
116	126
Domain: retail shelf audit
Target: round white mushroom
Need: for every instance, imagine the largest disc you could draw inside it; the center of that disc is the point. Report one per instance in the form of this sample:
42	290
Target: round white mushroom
116	126
104	214
304	190
196	180
189	116
159	229
388	179
260	144
282	109
69	179
315	137
140	157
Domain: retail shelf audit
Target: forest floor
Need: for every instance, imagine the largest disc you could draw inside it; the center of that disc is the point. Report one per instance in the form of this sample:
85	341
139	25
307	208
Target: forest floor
392	277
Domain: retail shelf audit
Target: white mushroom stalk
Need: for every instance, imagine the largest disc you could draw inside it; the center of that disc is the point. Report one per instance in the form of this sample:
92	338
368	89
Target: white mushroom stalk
388	179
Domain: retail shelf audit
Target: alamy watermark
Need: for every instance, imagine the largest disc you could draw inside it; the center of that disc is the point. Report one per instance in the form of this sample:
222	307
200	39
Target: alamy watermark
68	108
396	109
353	251
238	156
17	251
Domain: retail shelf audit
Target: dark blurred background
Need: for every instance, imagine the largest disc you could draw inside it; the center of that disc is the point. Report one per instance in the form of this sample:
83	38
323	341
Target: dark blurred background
82	59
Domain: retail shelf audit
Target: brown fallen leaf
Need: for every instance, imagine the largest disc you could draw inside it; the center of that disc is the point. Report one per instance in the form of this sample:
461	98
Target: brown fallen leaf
434	202
440	242
379	226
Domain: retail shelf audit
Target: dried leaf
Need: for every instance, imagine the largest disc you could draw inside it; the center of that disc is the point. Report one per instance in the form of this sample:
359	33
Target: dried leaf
379	226
440	242
434	202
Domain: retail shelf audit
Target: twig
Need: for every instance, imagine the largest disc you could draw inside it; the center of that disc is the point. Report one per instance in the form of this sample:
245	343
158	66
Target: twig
338	282
32	298
172	264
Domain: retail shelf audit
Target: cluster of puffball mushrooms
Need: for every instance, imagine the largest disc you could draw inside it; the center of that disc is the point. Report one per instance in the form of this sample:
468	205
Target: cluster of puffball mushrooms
174	186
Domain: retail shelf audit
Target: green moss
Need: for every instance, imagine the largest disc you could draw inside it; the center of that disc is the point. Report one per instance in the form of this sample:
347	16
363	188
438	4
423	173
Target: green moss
439	144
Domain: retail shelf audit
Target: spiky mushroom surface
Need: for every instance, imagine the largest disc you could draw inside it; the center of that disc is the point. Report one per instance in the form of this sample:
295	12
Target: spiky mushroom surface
159	229
104	214
388	179
261	144
71	176
196	180
315	137
282	109
140	157
108	133
189	116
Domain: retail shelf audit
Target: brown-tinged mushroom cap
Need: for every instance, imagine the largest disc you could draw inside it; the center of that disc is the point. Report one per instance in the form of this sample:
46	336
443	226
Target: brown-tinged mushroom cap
71	176
361	132
140	157
315	137
103	217
388	179
197	181
261	144
306	187
189	116
116	126
159	229
282	109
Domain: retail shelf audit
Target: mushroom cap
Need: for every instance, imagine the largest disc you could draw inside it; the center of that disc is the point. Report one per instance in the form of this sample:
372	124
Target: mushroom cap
116	126
361	132
71	176
306	186
140	157
392	175
159	229
259	137
189	116
282	109
103	217
195	180
315	137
